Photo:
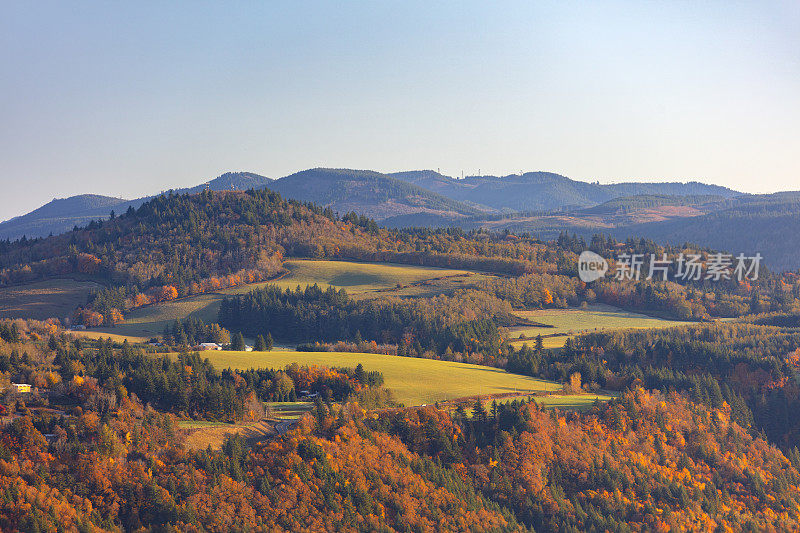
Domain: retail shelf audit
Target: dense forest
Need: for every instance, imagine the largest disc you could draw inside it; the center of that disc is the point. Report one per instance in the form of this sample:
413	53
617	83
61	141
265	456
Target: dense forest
464	322
178	245
102	374
752	368
703	433
109	458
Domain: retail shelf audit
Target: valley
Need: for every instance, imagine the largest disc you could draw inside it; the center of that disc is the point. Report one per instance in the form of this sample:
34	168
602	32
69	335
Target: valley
400	267
411	345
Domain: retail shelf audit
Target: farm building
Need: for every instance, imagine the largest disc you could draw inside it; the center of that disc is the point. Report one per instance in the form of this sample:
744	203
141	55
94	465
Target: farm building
209	346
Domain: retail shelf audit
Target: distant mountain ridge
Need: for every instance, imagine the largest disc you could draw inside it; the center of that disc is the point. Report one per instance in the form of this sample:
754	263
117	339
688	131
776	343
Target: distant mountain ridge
542	203
240	181
767	224
367	192
749	224
419	197
535	191
58	215
63	214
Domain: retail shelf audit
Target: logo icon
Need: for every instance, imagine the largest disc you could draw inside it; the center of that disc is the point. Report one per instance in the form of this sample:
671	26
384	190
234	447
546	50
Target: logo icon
591	266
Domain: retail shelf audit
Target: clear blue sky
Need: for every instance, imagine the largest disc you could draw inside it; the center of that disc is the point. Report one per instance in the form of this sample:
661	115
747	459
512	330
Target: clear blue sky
127	99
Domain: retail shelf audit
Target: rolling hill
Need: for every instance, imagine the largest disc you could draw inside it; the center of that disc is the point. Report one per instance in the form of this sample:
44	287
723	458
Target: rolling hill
370	193
238	181
61	215
764	223
545	191
743	224
413	198
541	203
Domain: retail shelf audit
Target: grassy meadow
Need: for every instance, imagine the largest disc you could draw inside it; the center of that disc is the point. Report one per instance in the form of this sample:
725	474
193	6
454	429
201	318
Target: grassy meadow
414	381
572	402
288	410
55	298
104	334
569	322
359	279
566	402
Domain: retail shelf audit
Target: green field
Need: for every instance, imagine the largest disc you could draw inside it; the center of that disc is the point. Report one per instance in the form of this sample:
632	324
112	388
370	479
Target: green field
567	402
288	410
356	278
547	342
55	298
414	381
572	402
115	337
149	321
360	279
200	424
596	317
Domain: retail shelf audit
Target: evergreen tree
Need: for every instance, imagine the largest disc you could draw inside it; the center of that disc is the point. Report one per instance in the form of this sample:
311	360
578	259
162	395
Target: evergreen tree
237	343
261	344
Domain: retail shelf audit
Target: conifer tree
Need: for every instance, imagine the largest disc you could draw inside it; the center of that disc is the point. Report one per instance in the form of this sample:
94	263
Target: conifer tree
237	343
261	344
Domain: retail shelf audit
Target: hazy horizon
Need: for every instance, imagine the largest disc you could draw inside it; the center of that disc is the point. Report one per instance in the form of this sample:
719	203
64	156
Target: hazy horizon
129	100
466	175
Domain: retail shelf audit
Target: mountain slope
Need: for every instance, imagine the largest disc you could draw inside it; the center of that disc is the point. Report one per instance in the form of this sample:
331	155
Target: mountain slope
370	193
745	224
238	181
766	223
59	215
62	215
413	198
544	191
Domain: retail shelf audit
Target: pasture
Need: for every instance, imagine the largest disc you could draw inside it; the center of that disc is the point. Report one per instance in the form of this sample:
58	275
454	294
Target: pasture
362	280
547	342
414	381
115	337
356	278
596	317
149	321
199	435
55	298
572	402
566	402
288	410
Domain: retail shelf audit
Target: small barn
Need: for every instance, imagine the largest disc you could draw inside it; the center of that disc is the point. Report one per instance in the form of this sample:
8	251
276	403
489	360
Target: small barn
209	346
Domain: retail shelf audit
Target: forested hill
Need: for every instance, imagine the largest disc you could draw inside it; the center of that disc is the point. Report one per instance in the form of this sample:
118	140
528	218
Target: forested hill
414	198
767	224
62	215
535	191
176	240
370	193
177	245
230	181
741	224
541	203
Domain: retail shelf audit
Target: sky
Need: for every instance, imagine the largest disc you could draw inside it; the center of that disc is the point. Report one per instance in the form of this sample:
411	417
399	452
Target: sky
128	99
